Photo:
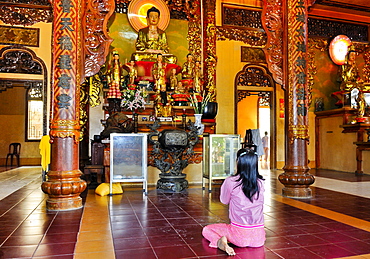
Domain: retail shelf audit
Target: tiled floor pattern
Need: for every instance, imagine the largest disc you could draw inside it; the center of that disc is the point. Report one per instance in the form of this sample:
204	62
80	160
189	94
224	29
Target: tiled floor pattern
15	178
167	225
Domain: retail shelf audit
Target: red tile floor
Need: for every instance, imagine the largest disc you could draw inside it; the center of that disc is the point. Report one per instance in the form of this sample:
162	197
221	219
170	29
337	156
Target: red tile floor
332	224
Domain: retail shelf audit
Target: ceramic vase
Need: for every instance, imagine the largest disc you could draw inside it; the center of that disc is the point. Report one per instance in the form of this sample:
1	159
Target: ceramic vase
210	110
198	123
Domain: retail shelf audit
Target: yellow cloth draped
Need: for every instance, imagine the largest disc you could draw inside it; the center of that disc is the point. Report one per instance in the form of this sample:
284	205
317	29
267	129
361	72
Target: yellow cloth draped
45	147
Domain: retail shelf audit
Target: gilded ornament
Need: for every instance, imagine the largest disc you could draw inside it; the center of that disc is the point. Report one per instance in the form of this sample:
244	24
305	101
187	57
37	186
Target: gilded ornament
298	132
272	21
97	40
251	38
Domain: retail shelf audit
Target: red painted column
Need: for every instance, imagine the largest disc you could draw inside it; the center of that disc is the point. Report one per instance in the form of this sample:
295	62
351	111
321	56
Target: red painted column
64	185
296	178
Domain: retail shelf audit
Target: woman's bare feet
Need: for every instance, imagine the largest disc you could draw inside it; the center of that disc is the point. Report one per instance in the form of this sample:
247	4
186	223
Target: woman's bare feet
223	245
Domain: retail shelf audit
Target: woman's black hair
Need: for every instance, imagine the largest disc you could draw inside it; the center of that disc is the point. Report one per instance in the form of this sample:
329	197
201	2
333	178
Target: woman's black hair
247	170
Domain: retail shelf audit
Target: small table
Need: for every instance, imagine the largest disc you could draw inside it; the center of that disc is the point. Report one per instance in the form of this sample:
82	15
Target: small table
361	146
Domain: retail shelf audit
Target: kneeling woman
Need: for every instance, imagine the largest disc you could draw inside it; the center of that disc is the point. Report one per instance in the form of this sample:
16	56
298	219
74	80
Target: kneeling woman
244	192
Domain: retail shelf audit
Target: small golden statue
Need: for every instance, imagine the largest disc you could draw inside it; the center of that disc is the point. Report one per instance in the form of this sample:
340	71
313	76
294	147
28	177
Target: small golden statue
197	77
159	72
361	104
173	79
188	67
187	72
349	73
180	88
132	72
115	77
163	103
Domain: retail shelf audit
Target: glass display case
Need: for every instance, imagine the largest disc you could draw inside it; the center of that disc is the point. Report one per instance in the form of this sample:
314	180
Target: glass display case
219	157
128	158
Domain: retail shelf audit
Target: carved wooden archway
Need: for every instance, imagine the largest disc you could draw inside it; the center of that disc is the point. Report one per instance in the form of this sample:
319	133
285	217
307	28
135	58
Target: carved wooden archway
255	79
18	59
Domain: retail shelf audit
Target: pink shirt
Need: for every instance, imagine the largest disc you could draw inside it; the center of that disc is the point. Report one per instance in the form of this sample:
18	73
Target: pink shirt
241	210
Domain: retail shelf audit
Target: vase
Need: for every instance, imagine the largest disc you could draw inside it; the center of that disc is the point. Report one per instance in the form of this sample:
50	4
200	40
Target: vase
198	123
210	110
135	118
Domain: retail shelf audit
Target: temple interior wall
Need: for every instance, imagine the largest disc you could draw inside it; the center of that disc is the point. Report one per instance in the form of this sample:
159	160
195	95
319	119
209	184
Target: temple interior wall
228	53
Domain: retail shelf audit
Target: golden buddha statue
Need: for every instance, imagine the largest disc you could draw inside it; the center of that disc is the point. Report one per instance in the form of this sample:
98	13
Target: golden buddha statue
151	40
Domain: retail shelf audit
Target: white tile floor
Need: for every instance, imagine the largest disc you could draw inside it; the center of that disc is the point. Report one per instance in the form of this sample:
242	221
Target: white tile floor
14	179
361	189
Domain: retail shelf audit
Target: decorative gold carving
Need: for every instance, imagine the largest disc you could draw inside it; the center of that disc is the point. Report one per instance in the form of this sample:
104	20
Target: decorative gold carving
95	86
84	99
252	38
194	36
26	16
65	129
298	132
242	94
366	69
318	43
19	35
254	75
313	43
253	55
97	41
210	58
272	21
241	16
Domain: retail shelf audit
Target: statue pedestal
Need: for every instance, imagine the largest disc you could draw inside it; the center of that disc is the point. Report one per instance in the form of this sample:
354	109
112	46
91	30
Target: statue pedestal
174	183
152	56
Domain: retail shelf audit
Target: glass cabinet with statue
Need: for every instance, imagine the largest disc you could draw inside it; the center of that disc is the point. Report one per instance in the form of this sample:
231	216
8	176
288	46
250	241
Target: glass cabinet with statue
219	157
128	158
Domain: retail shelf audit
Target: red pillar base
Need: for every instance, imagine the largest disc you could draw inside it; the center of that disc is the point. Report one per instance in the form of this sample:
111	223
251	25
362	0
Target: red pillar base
64	188
296	182
58	204
298	193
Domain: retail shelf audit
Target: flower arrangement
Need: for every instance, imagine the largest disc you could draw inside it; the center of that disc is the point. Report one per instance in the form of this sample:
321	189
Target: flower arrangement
199	102
133	98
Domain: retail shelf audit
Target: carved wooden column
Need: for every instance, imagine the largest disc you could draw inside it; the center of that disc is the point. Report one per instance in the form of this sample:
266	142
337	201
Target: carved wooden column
64	185
296	177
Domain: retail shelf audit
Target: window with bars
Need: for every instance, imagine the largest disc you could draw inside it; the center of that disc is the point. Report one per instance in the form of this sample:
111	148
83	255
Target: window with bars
35	112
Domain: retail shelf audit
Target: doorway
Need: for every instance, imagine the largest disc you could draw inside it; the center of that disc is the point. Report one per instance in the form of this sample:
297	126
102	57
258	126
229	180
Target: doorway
255	109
